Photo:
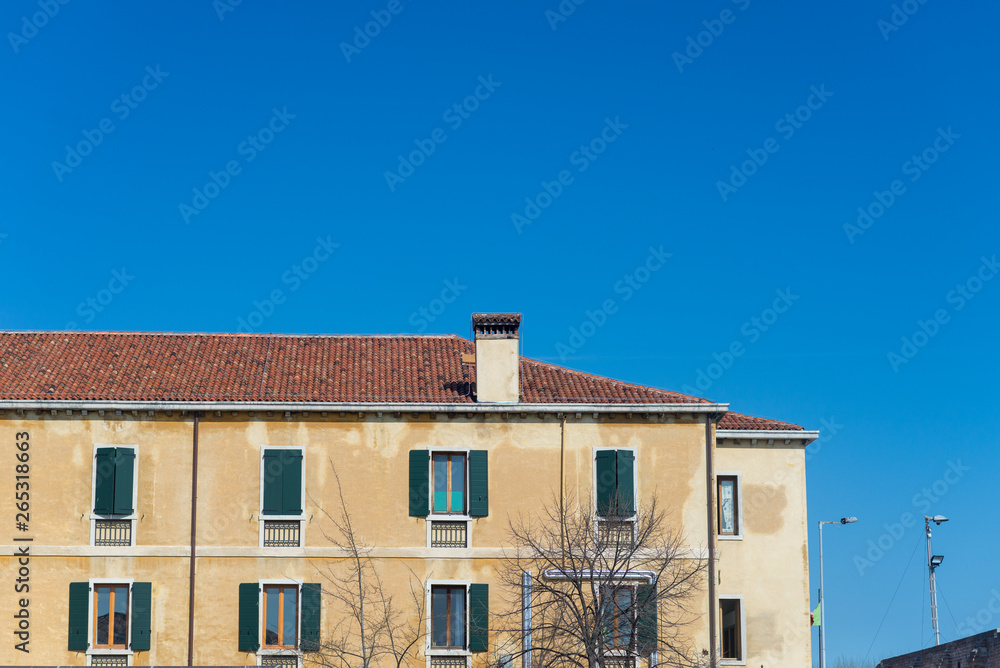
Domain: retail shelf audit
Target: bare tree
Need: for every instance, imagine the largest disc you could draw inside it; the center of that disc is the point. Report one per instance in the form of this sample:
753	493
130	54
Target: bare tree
603	587
373	629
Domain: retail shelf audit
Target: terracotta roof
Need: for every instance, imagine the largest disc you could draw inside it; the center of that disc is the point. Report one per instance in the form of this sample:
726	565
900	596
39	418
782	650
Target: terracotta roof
285	368
739	421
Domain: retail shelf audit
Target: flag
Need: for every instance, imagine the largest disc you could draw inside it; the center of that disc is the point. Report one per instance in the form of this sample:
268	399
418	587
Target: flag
816	617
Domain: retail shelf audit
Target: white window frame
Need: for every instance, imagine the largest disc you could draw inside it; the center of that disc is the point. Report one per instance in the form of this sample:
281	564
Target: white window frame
301	518
739	505
430	651
262	651
742	661
593	482
134	516
92	582
430	478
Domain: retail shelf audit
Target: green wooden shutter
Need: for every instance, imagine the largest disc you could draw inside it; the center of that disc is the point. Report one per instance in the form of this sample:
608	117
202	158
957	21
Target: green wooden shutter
79	612
104	488
479	484
625	498
249	617
124	470
606	481
479	617
271	481
291	482
646	620
142	604
420	467
311	604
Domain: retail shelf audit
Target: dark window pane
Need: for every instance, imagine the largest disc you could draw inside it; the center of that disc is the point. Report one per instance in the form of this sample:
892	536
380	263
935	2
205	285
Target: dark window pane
272	603
291	605
121	616
103	614
458	483
729	611
440	483
439	616
457	617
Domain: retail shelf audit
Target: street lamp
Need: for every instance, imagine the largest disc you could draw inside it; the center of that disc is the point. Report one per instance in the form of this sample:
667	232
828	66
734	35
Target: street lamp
822	608
932	563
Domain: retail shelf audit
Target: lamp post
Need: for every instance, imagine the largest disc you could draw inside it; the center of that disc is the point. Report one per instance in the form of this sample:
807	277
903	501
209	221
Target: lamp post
932	563
822	607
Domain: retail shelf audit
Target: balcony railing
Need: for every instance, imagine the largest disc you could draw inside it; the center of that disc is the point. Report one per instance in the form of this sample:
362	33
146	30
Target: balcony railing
449	534
113	532
613	533
449	662
109	660
280	660
282	533
619	662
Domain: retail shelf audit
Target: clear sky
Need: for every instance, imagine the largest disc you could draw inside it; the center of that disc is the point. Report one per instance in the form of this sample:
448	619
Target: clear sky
666	171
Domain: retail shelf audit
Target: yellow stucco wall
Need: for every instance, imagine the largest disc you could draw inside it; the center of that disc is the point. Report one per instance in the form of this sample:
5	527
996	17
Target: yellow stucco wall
370	455
769	566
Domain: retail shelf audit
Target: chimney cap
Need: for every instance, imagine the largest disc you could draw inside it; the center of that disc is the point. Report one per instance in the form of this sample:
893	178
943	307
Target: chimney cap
496	325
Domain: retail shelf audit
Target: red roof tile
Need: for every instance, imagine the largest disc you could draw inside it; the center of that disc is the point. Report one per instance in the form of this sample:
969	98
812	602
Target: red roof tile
286	368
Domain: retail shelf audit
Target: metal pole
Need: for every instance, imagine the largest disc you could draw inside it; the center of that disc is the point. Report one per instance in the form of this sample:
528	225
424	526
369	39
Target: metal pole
930	571
822	609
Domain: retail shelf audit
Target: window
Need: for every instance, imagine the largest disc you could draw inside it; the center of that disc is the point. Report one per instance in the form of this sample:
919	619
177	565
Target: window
449	482
448	617
730	513
108	617
614	483
459	617
731	622
114	491
618	613
629	619
279	616
281	492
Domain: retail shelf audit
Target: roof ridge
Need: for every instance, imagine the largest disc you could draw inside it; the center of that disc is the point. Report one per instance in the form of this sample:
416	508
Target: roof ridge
232	334
614	381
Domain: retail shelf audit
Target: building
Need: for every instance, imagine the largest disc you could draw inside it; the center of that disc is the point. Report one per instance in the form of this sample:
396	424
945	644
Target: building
978	651
174	491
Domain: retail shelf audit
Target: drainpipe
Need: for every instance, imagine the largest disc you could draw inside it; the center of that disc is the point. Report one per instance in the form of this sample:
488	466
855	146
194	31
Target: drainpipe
710	505
562	491
194	525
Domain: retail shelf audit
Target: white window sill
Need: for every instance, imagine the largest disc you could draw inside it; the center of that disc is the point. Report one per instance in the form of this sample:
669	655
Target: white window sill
280	518
448	652
440	517
728	536
109	652
263	651
732	662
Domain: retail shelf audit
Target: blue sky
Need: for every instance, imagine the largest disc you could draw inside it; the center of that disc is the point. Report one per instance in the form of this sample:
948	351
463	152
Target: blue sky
664	172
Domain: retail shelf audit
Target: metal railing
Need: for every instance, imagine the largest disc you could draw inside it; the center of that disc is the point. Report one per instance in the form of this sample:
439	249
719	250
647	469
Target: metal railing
449	662
619	662
282	533
615	532
449	534
280	660
113	532
109	660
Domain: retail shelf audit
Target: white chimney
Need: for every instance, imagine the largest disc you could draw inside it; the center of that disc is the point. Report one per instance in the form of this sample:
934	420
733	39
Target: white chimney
498	360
